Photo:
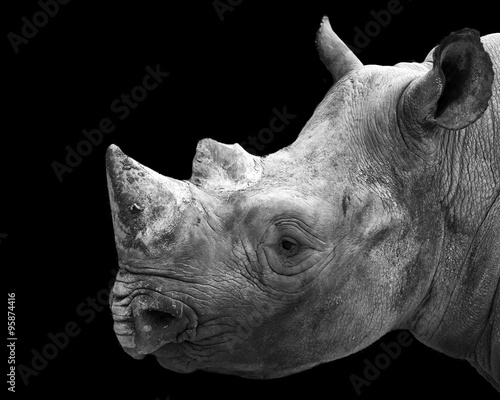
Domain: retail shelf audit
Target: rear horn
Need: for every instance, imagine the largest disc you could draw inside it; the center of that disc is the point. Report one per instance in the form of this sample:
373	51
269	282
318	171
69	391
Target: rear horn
334	53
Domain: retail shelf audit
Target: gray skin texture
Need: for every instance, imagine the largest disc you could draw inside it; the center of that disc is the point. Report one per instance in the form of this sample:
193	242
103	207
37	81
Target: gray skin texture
384	214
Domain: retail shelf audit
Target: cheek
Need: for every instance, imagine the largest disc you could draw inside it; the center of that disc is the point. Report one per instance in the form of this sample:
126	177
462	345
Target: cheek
393	264
355	300
355	321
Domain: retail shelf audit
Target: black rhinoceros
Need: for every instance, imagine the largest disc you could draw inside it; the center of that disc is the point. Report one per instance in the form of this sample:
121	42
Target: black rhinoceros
384	214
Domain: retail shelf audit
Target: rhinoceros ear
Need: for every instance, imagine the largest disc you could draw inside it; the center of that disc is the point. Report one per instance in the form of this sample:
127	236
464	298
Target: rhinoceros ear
334	53
456	91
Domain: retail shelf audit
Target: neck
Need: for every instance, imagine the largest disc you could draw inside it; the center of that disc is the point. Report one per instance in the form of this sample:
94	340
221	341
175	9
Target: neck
460	313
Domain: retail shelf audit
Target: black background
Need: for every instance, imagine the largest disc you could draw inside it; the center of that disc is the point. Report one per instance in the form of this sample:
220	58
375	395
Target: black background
225	79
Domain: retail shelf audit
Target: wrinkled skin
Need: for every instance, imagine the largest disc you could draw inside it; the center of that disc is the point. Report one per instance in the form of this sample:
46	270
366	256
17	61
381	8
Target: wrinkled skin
384	214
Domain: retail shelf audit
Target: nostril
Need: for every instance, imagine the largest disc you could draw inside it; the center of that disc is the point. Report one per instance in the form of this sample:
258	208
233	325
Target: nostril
150	321
155	328
157	319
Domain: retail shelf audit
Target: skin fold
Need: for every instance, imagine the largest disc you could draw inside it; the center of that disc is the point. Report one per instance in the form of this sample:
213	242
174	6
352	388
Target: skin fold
384	214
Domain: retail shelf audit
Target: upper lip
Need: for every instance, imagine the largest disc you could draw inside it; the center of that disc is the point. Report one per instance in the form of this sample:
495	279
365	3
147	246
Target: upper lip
121	306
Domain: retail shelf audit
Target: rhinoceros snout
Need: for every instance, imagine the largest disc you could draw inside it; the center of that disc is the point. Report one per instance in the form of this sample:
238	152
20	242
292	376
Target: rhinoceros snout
149	321
154	324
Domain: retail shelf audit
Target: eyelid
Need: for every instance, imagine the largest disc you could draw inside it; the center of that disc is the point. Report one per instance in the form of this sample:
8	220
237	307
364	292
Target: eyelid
298	235
298	224
290	239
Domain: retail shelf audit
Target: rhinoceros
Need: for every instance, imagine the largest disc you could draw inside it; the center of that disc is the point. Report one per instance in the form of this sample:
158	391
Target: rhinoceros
384	214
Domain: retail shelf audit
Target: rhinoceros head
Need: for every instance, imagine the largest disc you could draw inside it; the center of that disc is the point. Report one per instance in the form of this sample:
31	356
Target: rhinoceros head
265	266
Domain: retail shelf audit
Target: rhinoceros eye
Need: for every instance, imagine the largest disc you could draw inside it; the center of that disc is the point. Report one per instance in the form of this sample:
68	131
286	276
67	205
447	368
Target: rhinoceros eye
289	247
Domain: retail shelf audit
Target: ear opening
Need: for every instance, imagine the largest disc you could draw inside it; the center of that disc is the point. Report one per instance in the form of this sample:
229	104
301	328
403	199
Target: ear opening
457	82
456	91
468	73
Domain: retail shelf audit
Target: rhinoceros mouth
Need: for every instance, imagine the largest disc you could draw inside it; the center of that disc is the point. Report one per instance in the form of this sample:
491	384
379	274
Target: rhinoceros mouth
173	357
178	357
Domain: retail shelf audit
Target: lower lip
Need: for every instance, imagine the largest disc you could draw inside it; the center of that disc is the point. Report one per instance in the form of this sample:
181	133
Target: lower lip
176	364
